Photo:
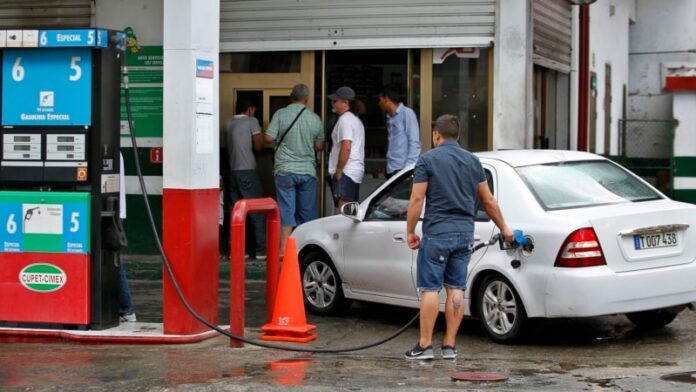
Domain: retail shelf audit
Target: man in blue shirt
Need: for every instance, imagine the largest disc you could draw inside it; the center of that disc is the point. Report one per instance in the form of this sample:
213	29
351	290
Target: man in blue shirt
451	179
403	132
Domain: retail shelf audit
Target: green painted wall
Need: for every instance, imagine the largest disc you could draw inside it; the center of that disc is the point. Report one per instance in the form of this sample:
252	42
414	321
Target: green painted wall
140	240
685	166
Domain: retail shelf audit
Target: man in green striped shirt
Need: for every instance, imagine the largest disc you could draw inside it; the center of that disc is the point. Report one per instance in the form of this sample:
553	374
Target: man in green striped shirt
298	133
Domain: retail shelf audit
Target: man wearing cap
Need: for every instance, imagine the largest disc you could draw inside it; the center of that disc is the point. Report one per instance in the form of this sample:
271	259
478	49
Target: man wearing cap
403	132
347	158
297	132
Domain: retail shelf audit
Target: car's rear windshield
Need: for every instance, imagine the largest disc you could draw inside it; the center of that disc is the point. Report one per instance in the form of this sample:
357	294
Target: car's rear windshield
583	184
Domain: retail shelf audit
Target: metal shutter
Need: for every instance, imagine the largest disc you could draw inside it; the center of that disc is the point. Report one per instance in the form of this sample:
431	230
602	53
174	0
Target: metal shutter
269	25
46	13
552	34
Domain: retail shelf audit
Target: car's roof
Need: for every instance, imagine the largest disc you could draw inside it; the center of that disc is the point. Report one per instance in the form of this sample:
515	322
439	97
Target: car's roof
516	158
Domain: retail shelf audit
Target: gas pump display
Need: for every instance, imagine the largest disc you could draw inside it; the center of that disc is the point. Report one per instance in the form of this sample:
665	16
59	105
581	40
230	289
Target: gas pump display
59	168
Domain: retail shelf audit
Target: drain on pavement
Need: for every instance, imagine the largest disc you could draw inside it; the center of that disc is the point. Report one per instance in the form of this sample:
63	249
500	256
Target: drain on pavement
478	376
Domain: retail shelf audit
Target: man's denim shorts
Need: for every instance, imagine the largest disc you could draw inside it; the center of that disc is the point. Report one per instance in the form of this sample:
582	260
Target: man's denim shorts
443	259
297	198
345	189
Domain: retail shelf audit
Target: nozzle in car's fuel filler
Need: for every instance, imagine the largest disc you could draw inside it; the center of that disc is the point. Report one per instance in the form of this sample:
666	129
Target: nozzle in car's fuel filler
520	240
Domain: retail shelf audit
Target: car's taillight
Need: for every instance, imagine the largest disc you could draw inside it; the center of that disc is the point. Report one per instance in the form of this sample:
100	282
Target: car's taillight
580	249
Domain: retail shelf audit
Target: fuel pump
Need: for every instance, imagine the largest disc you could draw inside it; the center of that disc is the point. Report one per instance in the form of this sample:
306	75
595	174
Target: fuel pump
59	177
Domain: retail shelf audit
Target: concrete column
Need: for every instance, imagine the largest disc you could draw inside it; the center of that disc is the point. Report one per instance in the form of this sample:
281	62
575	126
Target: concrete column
191	156
512	76
684	142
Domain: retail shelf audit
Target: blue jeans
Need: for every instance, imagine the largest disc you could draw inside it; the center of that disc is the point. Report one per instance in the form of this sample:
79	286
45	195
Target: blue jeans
297	198
245	184
443	259
125	304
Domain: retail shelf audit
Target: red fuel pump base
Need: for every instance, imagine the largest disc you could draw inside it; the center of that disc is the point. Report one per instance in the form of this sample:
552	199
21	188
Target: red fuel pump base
126	333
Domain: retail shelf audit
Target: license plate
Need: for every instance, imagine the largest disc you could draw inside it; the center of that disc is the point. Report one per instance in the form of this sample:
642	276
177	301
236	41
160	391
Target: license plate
655	240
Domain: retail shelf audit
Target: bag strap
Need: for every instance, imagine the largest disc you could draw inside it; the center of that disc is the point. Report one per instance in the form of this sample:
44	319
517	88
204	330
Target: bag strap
289	128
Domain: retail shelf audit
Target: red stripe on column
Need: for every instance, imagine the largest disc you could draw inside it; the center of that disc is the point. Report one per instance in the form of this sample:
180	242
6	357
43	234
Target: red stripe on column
190	230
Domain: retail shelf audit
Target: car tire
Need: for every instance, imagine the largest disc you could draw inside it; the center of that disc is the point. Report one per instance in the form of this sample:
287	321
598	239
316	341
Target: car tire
321	285
651	319
500	310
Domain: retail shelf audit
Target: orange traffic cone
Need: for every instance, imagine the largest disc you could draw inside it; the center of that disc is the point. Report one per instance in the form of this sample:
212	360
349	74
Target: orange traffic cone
289	323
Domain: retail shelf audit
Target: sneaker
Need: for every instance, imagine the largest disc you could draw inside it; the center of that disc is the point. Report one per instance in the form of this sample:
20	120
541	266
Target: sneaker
449	352
260	256
418	352
127	318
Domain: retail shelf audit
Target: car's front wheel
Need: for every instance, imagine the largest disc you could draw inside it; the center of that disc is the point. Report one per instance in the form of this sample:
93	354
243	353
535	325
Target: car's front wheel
652	319
500	310
323	293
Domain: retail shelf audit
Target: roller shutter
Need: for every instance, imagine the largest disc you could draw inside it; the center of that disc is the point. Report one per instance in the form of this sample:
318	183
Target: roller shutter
46	13
552	34
268	25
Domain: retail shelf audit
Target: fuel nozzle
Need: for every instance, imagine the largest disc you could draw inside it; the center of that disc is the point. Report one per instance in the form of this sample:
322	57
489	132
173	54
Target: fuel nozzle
520	241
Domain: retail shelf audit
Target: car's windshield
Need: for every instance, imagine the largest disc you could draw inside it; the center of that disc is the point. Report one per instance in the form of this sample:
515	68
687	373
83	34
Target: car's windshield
583	184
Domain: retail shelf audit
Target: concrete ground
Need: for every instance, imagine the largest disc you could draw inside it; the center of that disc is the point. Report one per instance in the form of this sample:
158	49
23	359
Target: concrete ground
597	354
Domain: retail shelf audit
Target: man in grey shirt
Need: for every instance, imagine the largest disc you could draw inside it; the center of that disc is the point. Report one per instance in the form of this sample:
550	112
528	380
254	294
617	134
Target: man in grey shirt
243	132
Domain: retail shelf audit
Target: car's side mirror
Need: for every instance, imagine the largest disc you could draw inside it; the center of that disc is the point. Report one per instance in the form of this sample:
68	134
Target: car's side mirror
350	210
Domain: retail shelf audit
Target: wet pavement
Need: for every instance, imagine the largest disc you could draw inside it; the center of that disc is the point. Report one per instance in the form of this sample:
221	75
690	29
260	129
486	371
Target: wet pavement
597	354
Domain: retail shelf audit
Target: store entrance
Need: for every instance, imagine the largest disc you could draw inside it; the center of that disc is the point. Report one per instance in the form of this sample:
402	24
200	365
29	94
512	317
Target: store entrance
366	72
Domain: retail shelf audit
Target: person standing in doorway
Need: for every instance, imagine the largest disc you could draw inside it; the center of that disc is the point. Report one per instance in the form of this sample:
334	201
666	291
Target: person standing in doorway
347	157
243	135
403	132
451	179
297	133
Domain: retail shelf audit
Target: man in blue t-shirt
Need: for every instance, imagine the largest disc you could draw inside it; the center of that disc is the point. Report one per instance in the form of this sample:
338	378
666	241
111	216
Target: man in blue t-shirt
451	179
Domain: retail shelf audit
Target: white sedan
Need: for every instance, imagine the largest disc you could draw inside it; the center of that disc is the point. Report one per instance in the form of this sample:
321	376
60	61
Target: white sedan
604	242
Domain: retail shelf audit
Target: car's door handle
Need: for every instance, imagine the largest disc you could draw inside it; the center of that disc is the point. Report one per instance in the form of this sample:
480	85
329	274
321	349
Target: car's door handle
399	237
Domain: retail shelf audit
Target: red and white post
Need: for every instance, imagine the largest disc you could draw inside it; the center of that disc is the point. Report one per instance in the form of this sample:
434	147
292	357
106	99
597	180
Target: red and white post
191	161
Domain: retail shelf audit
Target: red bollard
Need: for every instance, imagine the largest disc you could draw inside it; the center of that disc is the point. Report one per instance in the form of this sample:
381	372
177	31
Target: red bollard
237	243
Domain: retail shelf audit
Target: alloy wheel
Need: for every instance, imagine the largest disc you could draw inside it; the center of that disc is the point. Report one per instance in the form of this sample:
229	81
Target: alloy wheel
319	284
499	307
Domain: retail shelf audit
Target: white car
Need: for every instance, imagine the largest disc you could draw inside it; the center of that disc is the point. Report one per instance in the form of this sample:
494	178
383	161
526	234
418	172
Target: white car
604	242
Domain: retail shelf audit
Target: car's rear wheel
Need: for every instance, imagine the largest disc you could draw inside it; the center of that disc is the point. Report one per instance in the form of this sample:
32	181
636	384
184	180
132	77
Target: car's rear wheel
323	293
500	310
652	319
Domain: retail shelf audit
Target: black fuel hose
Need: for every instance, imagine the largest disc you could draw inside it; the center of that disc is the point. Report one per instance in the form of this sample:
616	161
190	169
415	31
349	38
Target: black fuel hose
175	284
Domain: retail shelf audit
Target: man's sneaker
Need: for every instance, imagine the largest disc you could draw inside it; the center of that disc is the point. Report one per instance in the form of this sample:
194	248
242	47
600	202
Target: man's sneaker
449	352
260	256
418	352
127	318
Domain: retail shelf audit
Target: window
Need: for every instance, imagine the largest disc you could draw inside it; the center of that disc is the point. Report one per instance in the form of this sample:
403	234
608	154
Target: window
392	204
481	215
460	87
584	184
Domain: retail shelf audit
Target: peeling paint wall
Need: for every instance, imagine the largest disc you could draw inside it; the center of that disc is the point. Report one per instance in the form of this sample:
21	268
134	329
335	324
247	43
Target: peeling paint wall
664	32
144	16
609	32
512	77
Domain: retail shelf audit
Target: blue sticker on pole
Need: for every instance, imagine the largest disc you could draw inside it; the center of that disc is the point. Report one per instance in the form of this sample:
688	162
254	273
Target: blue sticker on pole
204	69
47	87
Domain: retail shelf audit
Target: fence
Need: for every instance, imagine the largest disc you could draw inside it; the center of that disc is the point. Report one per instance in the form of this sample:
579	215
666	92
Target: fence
647	148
